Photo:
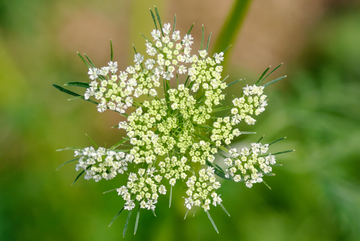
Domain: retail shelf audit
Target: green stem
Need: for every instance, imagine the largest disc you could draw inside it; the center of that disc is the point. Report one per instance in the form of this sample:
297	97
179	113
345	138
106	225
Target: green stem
232	26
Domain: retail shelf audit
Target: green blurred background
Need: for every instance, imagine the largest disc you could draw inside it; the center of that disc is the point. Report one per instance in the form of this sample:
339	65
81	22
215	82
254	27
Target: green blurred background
315	194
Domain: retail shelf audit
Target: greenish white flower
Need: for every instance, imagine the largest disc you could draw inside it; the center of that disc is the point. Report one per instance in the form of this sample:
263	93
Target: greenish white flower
169	131
170	99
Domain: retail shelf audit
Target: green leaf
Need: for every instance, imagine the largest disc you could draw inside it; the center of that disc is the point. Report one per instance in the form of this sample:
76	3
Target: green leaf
110	191
262	75
159	20
78	177
153	17
92	64
134	49
264	78
174	23
269	174
223	208
222	108
275	80
79	84
247	132
202	37
223	80
82	58
69	92
281	152
187	211
215	166
234	82
127	223
111	51
116	216
93	142
266	184
190	28
218	170
260	139
69	148
212	221
119	143
170	198
222	155
137	221
208	42
186	81
67	163
160	50
222	175
277	141
167	86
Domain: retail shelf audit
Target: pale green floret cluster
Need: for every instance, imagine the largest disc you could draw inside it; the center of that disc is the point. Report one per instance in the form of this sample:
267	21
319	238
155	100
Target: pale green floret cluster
102	163
174	169
253	102
173	128
249	164
143	187
223	131
201	190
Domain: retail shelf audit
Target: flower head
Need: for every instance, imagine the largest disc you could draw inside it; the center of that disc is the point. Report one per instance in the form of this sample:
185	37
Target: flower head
168	131
172	132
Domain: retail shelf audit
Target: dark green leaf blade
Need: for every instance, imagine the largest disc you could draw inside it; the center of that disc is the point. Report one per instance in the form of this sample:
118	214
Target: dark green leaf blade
275	80
116	216
272	71
127	223
62	89
208	42
272	143
82	58
281	152
78	84
212	221
111	51
159	20
91	63
262	75
119	143
153	17
137	221
234	82
202	37
66	163
78	177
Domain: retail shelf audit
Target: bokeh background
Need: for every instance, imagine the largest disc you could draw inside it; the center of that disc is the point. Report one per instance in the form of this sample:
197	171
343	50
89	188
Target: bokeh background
315	194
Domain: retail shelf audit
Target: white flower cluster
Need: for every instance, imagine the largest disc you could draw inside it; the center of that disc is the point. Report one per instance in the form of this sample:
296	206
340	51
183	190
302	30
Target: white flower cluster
201	190
102	163
170	130
223	131
249	165
252	102
142	187
174	169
